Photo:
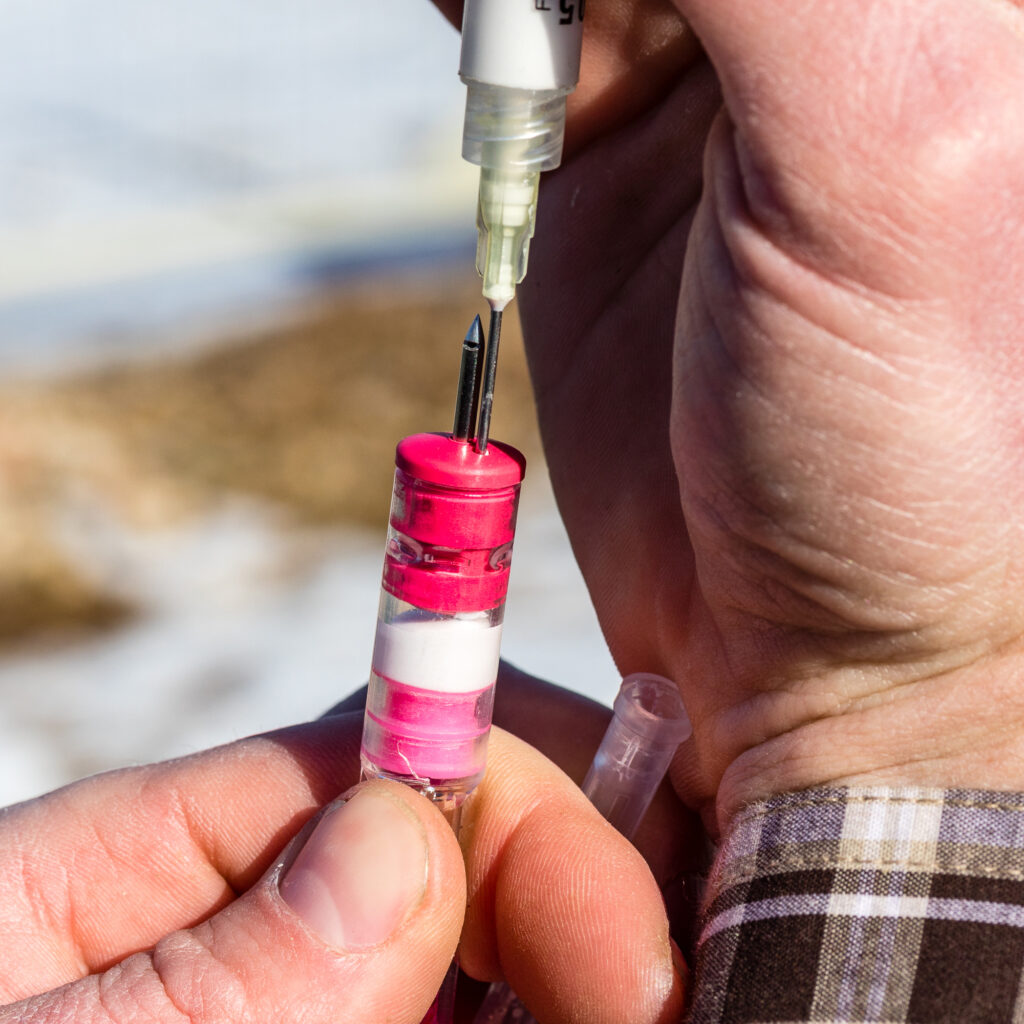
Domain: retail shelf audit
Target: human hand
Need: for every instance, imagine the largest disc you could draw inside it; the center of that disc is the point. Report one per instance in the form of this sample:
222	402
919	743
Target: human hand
174	891
775	343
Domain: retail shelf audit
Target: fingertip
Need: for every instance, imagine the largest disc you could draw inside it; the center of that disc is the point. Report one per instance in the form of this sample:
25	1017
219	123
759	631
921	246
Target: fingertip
361	872
387	853
582	930
372	891
519	779
561	905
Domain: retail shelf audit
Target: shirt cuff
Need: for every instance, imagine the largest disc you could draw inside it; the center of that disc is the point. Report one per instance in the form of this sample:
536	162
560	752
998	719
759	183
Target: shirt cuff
867	904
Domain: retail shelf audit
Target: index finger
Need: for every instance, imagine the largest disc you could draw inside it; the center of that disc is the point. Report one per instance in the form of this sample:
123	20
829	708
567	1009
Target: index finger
560	905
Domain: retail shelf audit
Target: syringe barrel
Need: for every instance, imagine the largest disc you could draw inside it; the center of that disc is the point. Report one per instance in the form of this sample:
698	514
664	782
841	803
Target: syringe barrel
435	657
520	59
648	724
523	44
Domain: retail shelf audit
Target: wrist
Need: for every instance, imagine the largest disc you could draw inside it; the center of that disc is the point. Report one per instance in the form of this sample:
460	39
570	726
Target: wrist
961	728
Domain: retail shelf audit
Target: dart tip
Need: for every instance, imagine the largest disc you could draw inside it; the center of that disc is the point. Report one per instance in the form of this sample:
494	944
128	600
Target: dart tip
468	397
475	334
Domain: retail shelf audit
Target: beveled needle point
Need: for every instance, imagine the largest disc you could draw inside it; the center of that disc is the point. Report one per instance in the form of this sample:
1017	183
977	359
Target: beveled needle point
490	372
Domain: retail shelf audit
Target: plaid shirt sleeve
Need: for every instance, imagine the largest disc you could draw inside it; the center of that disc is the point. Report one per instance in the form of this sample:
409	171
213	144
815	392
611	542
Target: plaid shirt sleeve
902	906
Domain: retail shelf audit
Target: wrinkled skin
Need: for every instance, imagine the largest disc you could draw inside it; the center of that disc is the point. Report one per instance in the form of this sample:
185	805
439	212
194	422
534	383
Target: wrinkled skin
775	328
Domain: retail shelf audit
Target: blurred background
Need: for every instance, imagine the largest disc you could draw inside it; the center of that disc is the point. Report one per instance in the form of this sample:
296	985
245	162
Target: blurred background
236	248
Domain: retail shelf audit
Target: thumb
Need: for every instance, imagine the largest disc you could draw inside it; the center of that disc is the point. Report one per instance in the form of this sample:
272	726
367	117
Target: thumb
359	924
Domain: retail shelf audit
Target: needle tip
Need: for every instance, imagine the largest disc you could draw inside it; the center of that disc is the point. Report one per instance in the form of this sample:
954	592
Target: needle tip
490	370
475	334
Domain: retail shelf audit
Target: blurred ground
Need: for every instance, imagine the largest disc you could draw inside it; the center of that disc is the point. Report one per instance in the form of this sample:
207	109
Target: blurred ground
190	548
195	450
304	415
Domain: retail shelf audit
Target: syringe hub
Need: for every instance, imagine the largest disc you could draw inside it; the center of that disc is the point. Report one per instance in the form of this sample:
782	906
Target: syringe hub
519	62
505	220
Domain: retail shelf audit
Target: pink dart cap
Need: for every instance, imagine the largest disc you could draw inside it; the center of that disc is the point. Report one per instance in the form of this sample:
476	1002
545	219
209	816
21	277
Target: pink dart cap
453	517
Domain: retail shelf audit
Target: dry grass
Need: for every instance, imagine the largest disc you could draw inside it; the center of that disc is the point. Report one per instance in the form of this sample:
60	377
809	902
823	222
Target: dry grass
304	415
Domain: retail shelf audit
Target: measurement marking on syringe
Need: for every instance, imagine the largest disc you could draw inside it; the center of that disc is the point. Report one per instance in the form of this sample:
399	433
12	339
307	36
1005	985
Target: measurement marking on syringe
570	9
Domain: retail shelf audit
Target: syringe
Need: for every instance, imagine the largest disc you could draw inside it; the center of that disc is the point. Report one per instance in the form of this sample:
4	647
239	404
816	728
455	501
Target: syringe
648	724
442	602
520	60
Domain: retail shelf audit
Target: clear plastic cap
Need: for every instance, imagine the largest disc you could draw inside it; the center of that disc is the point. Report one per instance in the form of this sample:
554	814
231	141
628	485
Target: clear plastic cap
649	723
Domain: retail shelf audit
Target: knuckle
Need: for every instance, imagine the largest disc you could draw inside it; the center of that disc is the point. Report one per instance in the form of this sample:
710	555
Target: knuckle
194	982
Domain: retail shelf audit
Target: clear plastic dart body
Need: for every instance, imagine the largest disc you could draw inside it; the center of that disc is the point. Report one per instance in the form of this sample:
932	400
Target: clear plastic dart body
435	656
520	60
648	724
